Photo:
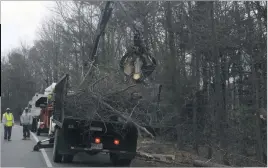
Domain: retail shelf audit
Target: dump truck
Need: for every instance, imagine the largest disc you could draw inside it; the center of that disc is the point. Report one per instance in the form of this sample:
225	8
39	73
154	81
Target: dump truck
74	134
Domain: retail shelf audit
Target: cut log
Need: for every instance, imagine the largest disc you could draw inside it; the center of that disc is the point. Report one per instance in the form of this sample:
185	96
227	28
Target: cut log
199	163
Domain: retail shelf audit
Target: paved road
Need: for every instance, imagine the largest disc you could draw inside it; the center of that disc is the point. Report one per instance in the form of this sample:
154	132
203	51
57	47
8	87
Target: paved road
18	153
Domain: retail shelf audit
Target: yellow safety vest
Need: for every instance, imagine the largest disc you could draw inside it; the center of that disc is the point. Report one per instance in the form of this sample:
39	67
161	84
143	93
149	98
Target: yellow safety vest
9	118
49	97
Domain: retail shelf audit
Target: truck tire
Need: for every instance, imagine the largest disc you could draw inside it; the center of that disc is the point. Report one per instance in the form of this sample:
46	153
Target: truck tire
120	160
117	162
131	137
68	158
56	156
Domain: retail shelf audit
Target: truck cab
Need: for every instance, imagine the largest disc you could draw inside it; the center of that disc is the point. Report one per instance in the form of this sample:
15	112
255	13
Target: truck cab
35	109
45	124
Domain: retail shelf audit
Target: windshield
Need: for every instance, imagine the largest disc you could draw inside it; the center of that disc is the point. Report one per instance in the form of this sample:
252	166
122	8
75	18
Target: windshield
42	100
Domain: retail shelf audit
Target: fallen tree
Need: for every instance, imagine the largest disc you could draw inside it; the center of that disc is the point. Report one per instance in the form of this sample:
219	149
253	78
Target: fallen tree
107	98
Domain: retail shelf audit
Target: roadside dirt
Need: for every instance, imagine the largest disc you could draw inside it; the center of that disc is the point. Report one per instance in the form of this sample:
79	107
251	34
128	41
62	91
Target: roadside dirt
168	154
164	153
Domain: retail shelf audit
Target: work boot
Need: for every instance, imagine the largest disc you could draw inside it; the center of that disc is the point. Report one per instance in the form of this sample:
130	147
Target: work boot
24	138
9	139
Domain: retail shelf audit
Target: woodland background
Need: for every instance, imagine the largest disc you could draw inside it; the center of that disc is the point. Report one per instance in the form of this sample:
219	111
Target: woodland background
212	63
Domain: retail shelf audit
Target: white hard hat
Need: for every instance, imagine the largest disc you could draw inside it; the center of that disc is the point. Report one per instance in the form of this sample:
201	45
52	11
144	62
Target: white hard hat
26	108
8	108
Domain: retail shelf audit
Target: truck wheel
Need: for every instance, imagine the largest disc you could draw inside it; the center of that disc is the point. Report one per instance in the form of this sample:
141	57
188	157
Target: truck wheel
56	156
131	137
116	161
68	158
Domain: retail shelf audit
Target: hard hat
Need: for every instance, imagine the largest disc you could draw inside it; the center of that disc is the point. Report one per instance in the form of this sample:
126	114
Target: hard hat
8	109
26	108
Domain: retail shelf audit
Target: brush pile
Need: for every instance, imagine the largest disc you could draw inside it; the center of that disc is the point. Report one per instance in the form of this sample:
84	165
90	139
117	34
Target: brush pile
106	97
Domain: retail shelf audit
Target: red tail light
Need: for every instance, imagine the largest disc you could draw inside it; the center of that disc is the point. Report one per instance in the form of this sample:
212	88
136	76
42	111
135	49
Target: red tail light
116	142
97	140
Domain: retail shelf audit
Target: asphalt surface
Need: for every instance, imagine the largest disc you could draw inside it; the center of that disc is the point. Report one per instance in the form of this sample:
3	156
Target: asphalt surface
19	153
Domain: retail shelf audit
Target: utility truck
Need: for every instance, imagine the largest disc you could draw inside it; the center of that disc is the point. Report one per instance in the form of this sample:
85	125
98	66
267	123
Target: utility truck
75	134
35	109
41	109
45	124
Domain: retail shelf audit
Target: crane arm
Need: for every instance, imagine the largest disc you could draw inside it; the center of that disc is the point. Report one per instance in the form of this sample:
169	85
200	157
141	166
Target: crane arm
101	27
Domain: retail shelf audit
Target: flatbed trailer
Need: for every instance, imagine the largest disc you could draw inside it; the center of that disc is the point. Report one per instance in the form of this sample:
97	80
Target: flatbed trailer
73	135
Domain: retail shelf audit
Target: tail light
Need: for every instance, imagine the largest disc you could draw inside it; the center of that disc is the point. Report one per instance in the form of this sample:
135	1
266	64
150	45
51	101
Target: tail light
97	140
116	142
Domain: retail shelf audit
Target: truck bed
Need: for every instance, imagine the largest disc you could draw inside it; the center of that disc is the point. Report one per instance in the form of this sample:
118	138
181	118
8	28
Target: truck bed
77	131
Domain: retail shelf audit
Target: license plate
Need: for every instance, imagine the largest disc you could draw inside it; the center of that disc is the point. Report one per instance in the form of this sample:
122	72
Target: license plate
95	129
96	146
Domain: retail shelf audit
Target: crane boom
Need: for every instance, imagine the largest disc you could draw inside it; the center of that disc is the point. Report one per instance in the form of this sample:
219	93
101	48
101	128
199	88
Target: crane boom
101	27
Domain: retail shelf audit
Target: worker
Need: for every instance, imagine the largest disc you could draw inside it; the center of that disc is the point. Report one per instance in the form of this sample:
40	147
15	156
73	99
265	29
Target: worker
49	97
26	120
8	121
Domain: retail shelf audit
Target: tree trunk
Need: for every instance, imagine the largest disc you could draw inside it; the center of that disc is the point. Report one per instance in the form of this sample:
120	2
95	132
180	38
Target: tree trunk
171	42
196	81
220	113
172	64
103	57
255	84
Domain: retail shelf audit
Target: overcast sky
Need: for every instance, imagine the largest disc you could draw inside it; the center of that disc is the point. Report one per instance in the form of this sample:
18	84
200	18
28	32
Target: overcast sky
20	20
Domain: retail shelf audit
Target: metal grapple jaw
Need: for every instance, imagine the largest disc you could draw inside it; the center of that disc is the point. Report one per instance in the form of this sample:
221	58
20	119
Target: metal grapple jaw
137	65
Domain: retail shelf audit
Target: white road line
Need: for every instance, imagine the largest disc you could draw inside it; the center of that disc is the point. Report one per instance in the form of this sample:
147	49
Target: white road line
43	152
